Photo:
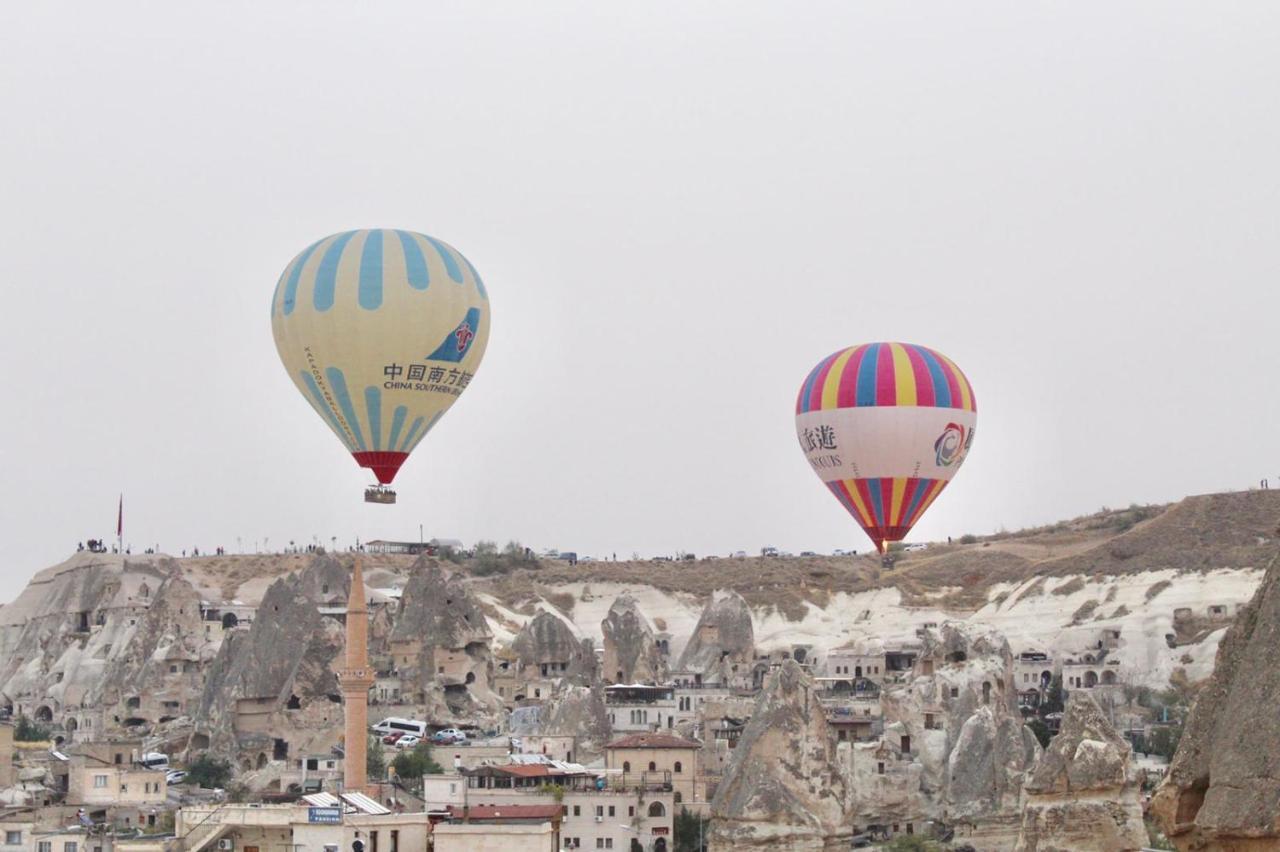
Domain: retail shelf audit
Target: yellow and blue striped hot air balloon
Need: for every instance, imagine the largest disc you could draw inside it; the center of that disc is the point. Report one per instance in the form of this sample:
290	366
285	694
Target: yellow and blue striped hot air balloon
381	331
886	426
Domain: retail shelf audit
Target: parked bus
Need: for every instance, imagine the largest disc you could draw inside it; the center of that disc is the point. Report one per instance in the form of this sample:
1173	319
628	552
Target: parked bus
408	726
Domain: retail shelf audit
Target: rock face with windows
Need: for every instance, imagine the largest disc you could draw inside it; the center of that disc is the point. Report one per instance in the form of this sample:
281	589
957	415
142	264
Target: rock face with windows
440	646
784	788
954	748
631	653
1222	788
1083	793
159	671
577	711
266	683
548	648
722	647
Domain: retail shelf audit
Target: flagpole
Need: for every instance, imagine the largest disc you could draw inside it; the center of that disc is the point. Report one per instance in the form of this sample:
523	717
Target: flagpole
120	526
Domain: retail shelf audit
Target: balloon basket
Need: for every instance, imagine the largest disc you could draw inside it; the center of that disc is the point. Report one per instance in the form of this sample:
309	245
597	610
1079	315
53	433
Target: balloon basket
379	494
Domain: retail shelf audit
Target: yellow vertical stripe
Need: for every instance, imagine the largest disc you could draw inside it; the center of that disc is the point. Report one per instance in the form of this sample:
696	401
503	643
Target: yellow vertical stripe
831	384
928	500
903	376
895	507
852	491
966	394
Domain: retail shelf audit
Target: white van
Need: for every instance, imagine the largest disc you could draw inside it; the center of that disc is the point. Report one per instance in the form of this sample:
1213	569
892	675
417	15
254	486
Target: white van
408	726
154	760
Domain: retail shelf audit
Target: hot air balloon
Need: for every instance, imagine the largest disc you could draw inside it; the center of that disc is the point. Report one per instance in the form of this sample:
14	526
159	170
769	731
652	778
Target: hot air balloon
886	426
381	331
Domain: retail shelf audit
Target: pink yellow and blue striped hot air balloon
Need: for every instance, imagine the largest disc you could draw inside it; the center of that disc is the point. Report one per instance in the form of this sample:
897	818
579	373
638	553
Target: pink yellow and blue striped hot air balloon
886	426
381	331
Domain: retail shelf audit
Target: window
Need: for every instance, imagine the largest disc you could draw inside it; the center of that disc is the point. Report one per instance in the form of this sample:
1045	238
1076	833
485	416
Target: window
656	809
100	781
599	810
608	843
577	810
626	766
679	797
69	846
677	767
124	788
880	768
13	838
44	846
611	811
599	842
631	811
653	767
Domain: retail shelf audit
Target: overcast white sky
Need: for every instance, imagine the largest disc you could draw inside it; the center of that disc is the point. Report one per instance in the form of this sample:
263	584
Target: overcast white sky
678	209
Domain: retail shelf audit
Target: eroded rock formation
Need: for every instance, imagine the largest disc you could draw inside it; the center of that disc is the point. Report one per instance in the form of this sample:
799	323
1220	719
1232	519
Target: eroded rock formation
783	787
631	652
577	711
547	645
722	646
1222	791
1083	793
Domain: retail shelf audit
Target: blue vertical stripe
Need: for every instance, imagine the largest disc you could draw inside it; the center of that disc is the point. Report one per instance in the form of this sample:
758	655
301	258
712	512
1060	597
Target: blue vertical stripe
415	265
327	274
291	288
941	387
373	407
338	381
450	265
807	391
371	272
322	406
397	423
413	431
922	485
877	507
866	388
476	275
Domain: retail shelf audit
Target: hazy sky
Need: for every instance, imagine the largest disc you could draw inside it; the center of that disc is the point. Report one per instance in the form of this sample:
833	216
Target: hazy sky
678	209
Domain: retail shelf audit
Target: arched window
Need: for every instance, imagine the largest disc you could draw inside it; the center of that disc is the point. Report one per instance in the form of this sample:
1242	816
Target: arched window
677	766
656	809
626	766
653	767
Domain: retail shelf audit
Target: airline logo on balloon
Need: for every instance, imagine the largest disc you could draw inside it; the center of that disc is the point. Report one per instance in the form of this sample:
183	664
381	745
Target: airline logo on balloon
952	445
456	343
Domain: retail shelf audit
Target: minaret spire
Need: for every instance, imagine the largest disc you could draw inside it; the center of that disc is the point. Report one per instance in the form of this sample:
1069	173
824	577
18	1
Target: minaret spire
356	679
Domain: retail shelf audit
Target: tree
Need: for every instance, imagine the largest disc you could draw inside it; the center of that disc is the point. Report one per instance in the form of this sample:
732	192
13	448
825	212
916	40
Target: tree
414	764
375	763
689	829
1054	699
1041	730
27	731
208	771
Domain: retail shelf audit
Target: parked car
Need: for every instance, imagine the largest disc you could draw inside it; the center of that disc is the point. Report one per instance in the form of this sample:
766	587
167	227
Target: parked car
394	737
768	551
175	776
807	553
448	736
408	741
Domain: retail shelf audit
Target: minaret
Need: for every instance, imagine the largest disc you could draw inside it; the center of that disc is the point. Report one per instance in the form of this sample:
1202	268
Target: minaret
356	679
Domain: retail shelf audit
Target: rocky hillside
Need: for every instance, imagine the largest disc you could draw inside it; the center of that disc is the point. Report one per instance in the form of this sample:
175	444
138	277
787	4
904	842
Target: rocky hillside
1158	584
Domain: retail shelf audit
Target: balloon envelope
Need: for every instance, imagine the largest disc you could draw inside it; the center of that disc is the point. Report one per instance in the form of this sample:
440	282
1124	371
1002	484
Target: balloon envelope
886	426
381	331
